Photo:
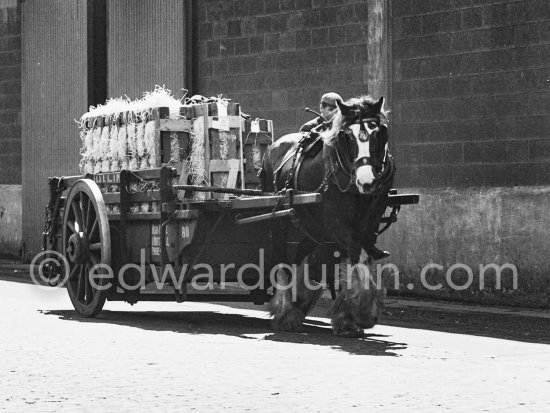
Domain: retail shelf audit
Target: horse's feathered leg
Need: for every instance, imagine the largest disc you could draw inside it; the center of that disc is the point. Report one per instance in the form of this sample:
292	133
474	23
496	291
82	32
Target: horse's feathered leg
308	290
343	324
356	306
295	298
347	308
286	315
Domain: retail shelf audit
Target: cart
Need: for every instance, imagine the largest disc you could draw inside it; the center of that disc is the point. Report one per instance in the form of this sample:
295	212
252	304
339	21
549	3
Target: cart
182	247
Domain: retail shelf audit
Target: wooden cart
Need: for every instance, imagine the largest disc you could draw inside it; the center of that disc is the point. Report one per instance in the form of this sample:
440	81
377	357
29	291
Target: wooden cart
159	252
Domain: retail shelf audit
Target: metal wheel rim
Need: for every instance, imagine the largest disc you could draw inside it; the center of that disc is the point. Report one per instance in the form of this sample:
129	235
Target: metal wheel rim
86	243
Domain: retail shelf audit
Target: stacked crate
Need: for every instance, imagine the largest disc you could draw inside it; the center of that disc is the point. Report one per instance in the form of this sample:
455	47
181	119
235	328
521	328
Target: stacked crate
119	141
257	136
209	144
215	157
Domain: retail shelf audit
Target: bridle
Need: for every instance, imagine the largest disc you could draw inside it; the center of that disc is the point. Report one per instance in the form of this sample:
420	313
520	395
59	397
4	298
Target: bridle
341	165
364	137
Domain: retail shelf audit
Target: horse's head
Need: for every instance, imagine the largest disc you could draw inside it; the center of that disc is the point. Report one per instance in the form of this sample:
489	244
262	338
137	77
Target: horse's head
360	129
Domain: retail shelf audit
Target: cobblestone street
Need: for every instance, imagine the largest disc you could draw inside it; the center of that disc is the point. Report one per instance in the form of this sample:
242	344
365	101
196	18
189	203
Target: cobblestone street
207	357
210	161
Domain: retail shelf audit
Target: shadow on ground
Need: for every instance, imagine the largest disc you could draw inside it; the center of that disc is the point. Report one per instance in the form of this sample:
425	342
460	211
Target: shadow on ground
479	323
209	322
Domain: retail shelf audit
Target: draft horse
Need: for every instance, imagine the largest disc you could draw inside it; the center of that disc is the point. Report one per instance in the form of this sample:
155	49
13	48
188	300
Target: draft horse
351	166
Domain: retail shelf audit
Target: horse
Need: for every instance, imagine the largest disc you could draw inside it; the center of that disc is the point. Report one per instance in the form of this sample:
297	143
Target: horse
351	167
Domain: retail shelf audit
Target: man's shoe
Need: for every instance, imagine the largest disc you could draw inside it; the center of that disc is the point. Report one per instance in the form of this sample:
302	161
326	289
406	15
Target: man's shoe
375	254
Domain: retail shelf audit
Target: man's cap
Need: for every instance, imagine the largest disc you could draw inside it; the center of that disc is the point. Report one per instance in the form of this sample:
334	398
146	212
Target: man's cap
331	98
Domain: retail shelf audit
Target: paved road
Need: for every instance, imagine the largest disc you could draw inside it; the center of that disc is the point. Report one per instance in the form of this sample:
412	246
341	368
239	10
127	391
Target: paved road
207	357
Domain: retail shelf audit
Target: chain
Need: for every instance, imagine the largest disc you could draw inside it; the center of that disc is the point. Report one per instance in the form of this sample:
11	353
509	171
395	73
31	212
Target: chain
324	184
47	227
341	166
47	220
49	268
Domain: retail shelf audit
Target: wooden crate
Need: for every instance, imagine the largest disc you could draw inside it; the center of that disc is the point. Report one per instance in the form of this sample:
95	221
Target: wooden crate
223	157
231	148
257	136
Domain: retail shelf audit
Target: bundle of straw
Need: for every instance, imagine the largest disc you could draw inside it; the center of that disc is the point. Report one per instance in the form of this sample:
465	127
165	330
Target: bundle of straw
133	144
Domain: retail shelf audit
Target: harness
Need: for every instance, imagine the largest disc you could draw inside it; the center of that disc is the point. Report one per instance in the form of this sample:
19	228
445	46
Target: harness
305	144
340	167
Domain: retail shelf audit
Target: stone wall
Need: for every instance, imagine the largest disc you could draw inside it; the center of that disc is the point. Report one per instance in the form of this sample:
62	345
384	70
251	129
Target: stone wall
10	221
10	128
10	92
468	227
277	57
471	92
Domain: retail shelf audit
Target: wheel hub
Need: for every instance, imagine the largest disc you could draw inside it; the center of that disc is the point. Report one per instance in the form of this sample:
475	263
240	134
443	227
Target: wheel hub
76	249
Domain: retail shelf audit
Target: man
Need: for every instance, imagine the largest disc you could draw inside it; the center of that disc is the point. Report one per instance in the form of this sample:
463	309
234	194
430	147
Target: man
327	108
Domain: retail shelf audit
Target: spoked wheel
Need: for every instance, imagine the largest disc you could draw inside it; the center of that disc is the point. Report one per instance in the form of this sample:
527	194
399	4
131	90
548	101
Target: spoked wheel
86	242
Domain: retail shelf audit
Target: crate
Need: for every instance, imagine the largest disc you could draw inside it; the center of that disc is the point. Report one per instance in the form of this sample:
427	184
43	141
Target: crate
232	147
221	129
257	136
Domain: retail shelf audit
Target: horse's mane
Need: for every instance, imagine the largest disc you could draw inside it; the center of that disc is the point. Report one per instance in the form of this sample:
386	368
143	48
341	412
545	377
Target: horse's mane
365	103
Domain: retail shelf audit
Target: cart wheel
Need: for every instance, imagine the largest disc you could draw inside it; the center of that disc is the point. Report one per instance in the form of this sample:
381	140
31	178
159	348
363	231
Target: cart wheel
86	242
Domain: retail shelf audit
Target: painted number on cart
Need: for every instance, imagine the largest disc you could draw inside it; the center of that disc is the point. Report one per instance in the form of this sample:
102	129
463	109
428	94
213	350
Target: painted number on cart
185	231
155	240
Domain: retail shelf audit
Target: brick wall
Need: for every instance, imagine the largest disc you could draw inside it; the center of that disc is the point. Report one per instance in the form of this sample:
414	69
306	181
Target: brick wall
470	79
10	92
471	92
276	57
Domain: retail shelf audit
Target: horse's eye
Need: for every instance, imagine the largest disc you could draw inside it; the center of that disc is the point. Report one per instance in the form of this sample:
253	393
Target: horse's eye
372	125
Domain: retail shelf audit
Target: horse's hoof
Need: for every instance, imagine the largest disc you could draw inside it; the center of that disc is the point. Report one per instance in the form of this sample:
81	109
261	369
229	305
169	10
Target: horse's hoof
354	333
290	321
285	325
375	254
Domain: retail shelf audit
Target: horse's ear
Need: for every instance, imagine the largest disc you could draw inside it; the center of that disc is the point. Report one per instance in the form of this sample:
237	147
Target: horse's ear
378	105
344	109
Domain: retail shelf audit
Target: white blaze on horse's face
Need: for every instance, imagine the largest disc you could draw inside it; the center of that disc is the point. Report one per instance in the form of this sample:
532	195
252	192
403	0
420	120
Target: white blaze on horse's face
364	173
